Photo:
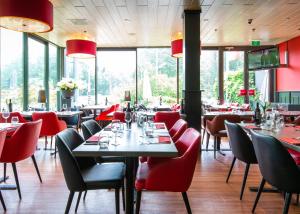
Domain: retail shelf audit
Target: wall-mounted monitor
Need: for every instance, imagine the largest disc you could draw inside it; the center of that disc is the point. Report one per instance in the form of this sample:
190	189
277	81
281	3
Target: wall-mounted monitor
263	59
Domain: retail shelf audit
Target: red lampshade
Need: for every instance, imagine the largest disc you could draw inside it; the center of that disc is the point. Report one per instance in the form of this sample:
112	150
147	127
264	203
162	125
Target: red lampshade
176	46
80	48
251	92
26	15
242	92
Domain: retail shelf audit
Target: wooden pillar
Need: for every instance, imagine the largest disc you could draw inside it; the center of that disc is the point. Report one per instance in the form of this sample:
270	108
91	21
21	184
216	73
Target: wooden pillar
191	49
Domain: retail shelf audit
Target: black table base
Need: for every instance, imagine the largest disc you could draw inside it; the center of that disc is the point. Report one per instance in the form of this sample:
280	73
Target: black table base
130	173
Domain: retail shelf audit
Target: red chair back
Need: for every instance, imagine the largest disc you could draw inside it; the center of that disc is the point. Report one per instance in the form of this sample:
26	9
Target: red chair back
50	125
2	140
13	114
104	113
177	130
119	115
167	117
22	144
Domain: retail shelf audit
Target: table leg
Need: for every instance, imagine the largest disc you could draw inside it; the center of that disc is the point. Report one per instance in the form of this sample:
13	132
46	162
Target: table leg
270	190
219	147
129	185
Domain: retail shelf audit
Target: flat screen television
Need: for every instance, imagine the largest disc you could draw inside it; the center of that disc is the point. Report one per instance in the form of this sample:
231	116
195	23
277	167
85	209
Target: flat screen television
263	59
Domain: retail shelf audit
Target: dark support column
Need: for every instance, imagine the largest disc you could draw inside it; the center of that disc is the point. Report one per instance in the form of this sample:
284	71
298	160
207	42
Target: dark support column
246	75
272	88
221	75
25	70
177	80
191	44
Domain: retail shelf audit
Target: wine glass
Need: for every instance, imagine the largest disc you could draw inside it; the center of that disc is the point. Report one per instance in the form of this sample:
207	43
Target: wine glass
64	107
14	120
128	118
5	114
115	127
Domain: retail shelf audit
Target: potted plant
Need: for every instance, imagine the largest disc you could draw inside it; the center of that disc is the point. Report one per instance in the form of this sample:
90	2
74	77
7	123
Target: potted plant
67	87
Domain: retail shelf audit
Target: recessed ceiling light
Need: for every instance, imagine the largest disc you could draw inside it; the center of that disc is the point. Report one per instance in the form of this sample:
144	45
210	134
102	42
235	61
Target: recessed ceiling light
131	34
216	29
127	20
206	20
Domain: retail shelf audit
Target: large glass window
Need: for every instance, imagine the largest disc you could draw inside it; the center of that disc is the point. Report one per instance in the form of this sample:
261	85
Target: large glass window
11	68
233	76
83	72
157	76
116	72
36	71
209	62
53	77
260	82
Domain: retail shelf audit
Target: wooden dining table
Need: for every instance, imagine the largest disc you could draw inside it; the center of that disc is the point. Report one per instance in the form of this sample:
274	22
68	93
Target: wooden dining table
60	114
131	147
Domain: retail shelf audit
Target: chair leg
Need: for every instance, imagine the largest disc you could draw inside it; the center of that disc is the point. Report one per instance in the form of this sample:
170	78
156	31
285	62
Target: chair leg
244	180
70	199
207	140
261	187
17	179
51	142
287	202
4	172
36	168
46	142
78	200
117	200
203	136
297	199
138	202
230	170
215	147
2	201
123	196
84	195
186	202
55	149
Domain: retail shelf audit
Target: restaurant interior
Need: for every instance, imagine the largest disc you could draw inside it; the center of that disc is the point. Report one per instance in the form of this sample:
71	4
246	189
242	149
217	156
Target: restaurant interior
149	106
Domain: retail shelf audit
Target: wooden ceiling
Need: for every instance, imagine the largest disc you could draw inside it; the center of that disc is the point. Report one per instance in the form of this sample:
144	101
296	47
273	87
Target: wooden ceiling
136	23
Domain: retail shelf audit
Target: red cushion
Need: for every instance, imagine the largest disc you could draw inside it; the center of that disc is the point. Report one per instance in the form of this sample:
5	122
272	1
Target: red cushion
295	155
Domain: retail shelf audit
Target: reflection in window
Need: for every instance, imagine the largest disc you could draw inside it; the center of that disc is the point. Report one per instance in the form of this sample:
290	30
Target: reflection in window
11	68
83	72
52	77
156	76
36	71
233	76
259	80
209	76
116	72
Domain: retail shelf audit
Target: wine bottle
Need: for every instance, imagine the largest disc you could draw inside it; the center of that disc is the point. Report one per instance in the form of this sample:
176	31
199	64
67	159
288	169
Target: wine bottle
106	101
128	112
160	100
257	115
10	106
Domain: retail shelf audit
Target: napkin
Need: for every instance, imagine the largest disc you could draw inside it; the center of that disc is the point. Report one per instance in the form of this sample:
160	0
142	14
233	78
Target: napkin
159	126
94	138
164	139
290	140
252	127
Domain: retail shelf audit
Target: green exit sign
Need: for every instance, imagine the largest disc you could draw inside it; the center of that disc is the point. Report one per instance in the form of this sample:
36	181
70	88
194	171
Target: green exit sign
255	43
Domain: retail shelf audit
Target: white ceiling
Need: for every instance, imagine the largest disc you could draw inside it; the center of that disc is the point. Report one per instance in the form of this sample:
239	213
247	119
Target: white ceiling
134	23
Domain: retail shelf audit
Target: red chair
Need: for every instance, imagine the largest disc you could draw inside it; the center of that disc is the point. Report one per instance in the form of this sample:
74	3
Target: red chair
2	140
13	114
176	107
167	117
170	174
103	116
51	125
178	129
20	146
119	115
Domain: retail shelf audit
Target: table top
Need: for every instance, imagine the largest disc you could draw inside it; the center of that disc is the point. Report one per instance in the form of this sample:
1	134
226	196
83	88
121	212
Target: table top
130	146
95	107
60	114
240	113
10	126
289	113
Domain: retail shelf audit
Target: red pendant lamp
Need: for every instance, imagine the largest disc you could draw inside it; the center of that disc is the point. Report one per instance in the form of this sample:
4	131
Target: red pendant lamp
176	45
80	48
33	16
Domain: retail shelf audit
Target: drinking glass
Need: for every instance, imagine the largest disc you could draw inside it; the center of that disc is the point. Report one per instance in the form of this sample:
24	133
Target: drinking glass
128	118
64	107
14	120
5	114
115	127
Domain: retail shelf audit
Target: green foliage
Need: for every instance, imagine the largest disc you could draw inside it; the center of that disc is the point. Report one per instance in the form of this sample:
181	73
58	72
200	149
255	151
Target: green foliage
233	82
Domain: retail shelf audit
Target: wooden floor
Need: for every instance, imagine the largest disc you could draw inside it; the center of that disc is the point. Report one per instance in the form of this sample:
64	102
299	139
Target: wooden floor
208	193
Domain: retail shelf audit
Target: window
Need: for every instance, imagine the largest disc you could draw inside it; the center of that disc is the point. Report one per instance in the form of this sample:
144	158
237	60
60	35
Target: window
260	81
157	76
116	72
83	72
11	68
233	76
209	70
36	71
53	78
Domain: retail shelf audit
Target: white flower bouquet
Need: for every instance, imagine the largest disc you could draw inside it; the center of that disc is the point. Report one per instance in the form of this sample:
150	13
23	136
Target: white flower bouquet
67	85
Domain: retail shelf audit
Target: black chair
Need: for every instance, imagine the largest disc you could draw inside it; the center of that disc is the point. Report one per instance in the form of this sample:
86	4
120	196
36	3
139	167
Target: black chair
82	174
276	166
242	150
91	127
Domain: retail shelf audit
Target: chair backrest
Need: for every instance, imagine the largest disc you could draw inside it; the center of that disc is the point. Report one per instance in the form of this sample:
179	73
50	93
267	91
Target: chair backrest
89	128
2	140
119	115
297	121
50	124
13	114
67	140
73	121
22	144
167	117
275	163
178	129
241	145
218	123
105	112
